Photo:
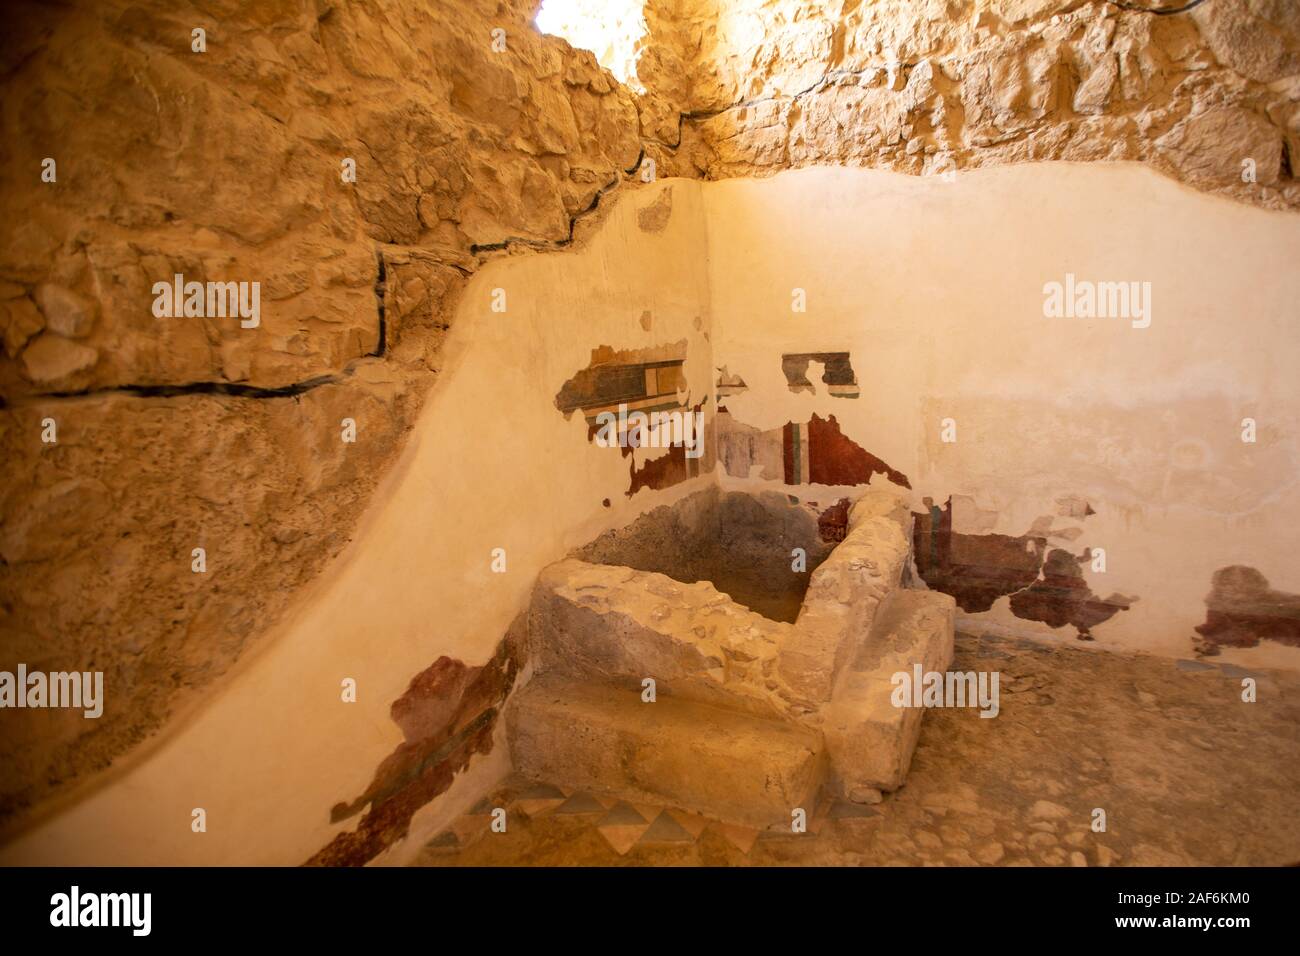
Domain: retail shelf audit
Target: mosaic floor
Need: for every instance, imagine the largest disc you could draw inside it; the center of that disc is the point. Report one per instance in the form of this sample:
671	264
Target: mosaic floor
1185	771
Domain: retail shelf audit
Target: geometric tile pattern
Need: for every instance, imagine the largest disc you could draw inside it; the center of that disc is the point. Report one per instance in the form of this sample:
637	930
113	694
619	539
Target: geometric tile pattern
618	824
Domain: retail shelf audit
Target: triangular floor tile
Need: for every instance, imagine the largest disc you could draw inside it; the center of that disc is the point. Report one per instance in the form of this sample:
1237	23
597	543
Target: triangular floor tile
580	803
647	810
542	791
692	822
622	815
742	838
667	830
539	807
622	837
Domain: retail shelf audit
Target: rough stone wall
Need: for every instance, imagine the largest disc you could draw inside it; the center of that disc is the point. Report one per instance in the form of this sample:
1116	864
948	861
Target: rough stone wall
180	433
931	86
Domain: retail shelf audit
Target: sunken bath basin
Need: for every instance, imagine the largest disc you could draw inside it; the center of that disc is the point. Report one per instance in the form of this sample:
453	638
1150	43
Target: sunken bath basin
742	544
682	660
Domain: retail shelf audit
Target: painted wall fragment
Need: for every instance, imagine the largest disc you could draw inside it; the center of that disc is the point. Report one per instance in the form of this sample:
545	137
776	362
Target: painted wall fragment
669	469
749	452
1241	610
838	374
729	383
645	380
976	569
1061	596
812	452
618	384
447	715
1045	585
835	459
833	523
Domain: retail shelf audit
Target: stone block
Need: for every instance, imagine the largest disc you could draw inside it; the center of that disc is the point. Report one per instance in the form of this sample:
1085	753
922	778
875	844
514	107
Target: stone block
727	765
845	594
619	626
870	741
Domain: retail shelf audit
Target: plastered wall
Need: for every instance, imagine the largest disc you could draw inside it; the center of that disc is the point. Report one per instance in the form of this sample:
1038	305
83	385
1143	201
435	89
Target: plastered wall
1068	433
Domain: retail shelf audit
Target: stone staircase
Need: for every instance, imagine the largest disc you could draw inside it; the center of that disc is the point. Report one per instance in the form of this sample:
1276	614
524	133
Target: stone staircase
652	690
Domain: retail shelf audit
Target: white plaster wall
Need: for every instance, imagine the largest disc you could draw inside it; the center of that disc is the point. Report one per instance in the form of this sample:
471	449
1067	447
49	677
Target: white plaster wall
491	463
935	287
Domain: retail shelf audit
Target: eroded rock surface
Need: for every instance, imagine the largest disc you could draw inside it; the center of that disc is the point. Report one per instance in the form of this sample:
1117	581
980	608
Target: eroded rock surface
941	85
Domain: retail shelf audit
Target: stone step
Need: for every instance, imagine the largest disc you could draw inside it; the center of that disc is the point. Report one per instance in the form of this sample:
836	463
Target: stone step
868	739
725	764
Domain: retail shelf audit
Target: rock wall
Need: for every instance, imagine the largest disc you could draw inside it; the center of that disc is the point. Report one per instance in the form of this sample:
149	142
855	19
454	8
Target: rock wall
231	163
935	86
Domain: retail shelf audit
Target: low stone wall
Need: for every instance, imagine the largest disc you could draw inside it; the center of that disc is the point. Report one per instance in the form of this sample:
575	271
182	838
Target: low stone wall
845	594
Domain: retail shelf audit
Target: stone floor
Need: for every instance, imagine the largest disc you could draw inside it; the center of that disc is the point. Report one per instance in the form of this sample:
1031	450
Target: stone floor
1186	772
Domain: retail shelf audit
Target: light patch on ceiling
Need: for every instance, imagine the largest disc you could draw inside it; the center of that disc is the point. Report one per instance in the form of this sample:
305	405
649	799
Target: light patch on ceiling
611	29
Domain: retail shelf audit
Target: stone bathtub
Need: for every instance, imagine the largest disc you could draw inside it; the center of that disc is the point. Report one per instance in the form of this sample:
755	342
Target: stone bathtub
668	689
